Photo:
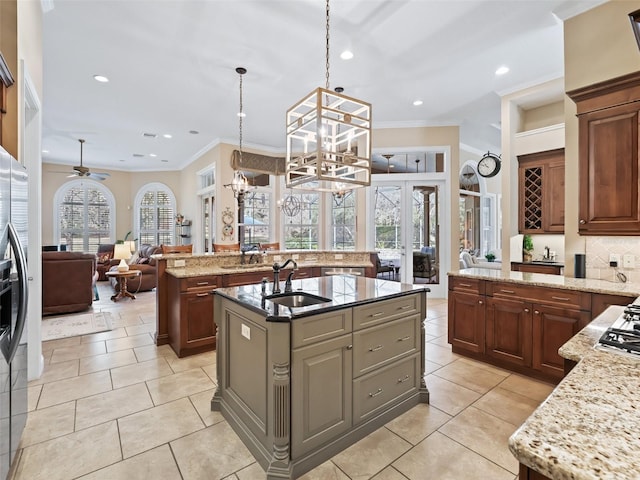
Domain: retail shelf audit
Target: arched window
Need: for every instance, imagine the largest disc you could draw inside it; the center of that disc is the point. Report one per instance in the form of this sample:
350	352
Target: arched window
155	207
85	210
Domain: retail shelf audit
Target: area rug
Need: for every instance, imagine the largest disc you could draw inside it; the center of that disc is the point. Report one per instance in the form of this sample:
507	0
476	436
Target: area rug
73	325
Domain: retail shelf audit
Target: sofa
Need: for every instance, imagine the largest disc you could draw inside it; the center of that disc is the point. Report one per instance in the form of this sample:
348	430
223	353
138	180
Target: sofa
141	260
470	261
68	282
424	264
105	255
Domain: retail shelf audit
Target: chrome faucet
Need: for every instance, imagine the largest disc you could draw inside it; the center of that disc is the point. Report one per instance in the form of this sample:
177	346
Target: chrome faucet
276	276
244	252
547	254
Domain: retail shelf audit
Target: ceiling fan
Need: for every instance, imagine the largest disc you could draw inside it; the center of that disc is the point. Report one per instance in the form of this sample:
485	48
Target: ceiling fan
82	171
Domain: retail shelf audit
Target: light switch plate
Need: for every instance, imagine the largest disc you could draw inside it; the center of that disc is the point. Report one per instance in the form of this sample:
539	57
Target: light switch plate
628	260
614	257
179	263
246	331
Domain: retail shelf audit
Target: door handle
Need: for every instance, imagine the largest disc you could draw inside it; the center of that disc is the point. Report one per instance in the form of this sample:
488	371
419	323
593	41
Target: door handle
21	266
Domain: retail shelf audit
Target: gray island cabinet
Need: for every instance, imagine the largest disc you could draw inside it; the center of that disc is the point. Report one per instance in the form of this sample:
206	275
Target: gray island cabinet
300	384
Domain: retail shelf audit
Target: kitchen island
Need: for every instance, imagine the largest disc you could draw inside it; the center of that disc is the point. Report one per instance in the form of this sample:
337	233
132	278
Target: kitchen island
303	375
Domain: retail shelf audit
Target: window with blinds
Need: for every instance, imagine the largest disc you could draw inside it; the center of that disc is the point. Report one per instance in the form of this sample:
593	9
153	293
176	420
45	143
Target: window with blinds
156	207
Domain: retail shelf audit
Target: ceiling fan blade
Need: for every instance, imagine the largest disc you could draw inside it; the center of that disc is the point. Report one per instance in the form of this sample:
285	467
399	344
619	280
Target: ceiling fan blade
98	175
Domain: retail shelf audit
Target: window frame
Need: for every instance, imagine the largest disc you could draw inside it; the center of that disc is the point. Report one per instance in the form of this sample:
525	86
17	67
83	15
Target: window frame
142	191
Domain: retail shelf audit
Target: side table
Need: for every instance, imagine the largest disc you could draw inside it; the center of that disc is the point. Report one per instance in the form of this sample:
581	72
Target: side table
122	278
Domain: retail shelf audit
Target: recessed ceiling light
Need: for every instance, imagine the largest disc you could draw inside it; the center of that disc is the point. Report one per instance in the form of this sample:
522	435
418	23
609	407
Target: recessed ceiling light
502	70
242	114
346	55
167	135
153	155
392	166
45	151
417	103
194	132
100	78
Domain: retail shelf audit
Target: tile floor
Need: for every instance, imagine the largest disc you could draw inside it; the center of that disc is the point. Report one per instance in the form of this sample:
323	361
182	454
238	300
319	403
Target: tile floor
114	406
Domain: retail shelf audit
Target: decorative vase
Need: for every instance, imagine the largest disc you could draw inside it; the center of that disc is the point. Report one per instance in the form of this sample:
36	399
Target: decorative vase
527	257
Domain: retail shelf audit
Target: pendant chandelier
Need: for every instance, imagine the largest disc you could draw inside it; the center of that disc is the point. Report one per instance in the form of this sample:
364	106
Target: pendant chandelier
328	139
239	184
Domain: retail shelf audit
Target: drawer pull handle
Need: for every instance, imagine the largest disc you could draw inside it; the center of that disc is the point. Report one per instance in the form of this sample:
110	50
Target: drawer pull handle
349	347
404	339
202	283
506	291
480	302
402	380
377	314
376	393
564	299
465	285
202	294
375	349
406	307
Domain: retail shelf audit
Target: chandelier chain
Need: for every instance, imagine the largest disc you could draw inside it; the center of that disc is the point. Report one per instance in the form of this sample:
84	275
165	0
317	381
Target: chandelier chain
327	49
240	115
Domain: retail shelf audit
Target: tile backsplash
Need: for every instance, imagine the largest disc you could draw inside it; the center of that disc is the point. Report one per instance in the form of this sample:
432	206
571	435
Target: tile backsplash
598	250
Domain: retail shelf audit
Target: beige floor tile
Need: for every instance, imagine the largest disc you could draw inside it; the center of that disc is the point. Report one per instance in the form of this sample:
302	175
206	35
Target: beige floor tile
418	423
150	428
528	387
252	472
448	396
112	405
61	342
442	340
441	458
178	385
57	371
194	361
440	355
389	473
72	455
73	388
140	329
106	361
371	454
99	337
140	372
48	423
128	342
64	354
507	405
156	464
470	376
486	366
202	402
430	367
435	329
33	396
128	320
484	434
325	471
149	352
233	476
211	371
212	453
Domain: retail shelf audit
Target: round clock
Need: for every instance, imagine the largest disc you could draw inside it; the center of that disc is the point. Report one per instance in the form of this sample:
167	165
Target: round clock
489	165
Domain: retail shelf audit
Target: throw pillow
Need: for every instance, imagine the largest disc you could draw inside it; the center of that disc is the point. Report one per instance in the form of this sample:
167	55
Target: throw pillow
134	259
104	257
143	260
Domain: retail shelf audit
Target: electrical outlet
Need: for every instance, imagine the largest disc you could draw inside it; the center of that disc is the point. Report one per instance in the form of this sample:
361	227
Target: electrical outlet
179	263
614	258
338	256
246	331
628	260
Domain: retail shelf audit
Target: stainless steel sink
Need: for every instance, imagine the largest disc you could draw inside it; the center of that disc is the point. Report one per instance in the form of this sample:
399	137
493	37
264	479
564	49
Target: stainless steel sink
296	299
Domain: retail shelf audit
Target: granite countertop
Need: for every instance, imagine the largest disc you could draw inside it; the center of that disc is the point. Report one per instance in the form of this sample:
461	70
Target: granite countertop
588	427
201	270
554	281
340	290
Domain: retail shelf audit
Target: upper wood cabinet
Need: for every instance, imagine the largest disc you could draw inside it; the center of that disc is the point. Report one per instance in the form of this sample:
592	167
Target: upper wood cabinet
541	192
608	114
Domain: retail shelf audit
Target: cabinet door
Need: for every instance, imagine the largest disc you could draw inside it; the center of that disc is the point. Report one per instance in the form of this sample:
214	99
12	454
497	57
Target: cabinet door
609	201
466	321
554	197
321	397
552	327
600	302
198	330
508	331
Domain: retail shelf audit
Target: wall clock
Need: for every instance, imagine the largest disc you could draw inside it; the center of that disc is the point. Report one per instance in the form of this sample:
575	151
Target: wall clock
489	165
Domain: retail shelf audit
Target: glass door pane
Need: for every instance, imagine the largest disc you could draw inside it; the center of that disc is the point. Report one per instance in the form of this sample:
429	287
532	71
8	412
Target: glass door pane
425	251
388	229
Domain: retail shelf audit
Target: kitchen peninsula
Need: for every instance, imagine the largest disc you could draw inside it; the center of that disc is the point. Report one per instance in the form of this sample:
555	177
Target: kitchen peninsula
185	283
305	373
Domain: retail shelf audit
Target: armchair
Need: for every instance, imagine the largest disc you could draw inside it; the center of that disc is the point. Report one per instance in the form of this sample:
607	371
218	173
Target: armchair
423	266
104	255
380	268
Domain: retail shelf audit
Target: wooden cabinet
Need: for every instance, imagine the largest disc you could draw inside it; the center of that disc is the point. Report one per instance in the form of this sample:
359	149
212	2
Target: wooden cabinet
537	268
609	164
508	331
192	328
466	314
600	302
541	192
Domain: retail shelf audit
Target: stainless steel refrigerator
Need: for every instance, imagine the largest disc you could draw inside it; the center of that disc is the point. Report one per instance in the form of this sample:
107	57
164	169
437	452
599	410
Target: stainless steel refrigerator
13	307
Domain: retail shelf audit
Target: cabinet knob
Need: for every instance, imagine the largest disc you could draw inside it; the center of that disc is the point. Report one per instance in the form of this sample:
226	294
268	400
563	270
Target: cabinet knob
536	312
526	310
480	302
582	222
349	347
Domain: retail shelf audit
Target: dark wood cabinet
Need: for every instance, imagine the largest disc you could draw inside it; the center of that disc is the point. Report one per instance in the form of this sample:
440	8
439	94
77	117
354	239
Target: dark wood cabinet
541	192
537	268
508	331
466	315
601	301
192	328
609	164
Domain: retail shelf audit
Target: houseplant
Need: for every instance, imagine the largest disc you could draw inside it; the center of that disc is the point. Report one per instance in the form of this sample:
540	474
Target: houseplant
527	248
490	256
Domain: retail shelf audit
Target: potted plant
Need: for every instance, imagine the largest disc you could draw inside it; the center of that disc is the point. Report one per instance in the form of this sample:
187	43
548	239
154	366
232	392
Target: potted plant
527	248
490	256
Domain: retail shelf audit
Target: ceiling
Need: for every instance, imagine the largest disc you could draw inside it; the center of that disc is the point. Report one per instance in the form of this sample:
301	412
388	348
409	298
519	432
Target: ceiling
171	69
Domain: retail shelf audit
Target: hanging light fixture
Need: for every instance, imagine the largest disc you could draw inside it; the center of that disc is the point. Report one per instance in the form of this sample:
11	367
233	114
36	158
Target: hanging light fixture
239	184
388	156
290	205
328	139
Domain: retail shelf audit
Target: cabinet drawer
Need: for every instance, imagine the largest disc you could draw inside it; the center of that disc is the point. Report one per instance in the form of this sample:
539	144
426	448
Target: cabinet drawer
378	390
385	310
382	344
308	330
467	285
205	281
552	296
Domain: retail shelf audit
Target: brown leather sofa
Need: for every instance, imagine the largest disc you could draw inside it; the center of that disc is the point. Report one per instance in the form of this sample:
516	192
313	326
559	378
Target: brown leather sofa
147	265
105	255
68	281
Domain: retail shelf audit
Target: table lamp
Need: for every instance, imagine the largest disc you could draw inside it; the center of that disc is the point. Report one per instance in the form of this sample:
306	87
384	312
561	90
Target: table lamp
122	252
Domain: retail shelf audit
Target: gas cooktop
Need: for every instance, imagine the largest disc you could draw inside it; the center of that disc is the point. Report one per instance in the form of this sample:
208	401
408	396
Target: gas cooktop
624	334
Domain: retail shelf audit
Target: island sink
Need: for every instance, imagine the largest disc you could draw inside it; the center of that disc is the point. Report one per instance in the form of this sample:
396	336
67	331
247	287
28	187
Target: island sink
296	299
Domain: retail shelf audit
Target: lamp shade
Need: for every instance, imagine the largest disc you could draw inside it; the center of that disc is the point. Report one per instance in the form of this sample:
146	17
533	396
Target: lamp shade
122	252
131	244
